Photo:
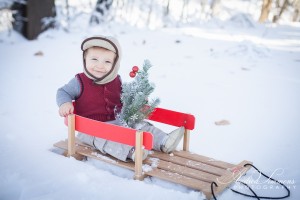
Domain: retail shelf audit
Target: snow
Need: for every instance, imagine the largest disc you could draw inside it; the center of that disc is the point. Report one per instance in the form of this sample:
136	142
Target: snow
248	76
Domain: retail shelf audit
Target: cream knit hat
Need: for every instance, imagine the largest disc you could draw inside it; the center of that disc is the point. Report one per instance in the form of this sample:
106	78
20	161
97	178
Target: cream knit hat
106	42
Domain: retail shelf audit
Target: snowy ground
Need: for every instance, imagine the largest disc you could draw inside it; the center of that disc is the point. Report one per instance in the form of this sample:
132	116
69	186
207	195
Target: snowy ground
248	76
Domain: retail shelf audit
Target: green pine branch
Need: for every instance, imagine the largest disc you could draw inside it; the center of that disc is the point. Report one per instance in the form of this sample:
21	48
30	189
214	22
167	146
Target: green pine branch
134	98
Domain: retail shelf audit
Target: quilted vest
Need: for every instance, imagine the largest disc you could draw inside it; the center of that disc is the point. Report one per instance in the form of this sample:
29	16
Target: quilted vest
98	101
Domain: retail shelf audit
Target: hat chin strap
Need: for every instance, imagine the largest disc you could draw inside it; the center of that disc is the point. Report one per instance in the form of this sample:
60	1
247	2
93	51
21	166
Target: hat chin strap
100	81
107	79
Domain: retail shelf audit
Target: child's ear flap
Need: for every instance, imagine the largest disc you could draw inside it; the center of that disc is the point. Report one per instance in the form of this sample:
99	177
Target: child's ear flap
84	53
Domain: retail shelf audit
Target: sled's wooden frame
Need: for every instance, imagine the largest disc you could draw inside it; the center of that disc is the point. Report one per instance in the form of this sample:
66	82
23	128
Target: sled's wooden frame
182	167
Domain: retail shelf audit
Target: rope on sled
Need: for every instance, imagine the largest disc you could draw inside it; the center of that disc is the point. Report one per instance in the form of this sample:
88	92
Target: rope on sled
212	189
254	194
214	183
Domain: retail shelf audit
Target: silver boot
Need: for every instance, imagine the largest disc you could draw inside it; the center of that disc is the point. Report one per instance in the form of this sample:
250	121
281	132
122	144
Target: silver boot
173	140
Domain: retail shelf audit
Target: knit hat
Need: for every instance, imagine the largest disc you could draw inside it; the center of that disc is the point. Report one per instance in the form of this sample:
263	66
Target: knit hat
109	43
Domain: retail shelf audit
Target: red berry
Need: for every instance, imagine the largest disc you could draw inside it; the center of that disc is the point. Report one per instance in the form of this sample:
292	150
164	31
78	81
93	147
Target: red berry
132	74
135	69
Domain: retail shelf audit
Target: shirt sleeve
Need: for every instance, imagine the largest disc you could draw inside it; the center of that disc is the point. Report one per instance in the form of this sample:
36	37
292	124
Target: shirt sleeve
68	92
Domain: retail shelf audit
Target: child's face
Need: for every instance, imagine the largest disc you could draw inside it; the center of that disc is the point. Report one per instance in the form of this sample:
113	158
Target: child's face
99	61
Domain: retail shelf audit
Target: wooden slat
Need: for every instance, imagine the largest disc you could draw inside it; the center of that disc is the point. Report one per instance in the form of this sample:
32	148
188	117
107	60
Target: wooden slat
184	170
203	159
180	179
190	163
90	152
176	169
225	180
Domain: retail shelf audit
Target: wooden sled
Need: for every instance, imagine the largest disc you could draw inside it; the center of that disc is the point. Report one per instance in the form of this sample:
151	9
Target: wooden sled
181	167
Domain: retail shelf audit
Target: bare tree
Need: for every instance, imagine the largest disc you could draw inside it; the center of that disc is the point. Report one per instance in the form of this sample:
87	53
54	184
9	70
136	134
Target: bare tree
68	15
167	10
281	9
214	6
265	10
296	15
149	13
119	6
184	9
203	4
101	8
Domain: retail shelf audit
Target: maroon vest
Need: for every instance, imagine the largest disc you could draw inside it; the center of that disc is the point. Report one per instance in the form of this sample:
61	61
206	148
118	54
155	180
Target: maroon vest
98	101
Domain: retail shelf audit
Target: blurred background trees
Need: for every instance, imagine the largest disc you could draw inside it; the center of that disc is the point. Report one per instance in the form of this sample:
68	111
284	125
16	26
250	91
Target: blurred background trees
278	7
151	13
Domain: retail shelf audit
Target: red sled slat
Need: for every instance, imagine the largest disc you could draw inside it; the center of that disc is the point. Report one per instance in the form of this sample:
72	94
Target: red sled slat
110	132
173	118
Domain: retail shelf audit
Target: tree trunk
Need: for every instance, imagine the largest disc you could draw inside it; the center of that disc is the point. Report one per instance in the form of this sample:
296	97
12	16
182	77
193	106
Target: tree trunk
265	10
68	15
167	10
296	15
30	17
120	6
277	4
282	9
149	14
184	9
101	8
214	7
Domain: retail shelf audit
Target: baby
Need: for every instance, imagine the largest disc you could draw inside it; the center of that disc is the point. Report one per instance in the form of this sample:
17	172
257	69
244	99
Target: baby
97	93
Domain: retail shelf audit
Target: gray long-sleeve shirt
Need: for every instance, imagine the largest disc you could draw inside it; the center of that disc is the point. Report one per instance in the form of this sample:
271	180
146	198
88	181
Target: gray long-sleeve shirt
68	92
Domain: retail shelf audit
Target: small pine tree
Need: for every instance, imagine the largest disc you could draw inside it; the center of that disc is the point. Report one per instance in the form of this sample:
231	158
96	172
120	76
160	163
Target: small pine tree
134	98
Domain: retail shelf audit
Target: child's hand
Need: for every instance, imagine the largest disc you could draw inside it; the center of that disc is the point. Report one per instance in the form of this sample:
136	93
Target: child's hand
66	109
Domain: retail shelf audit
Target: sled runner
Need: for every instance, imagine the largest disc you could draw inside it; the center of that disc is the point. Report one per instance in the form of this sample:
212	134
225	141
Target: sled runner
181	167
